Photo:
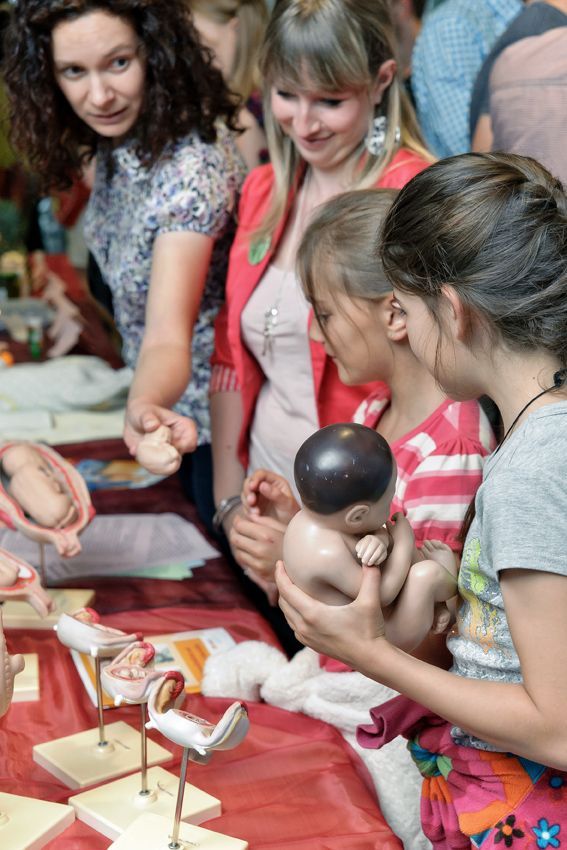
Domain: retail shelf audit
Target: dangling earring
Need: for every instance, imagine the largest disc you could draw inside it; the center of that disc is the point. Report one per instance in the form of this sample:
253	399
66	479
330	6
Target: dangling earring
377	135
376	138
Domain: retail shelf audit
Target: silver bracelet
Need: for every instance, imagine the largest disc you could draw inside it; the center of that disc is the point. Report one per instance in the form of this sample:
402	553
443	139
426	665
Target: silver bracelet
223	510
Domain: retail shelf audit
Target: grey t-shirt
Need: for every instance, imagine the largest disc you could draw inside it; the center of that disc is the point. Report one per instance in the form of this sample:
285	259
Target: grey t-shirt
520	523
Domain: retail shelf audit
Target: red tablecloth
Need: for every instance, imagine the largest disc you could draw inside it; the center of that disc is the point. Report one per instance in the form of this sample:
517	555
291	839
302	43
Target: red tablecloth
294	784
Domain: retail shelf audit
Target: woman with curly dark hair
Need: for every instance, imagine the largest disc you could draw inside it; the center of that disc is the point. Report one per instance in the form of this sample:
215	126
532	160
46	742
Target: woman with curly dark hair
127	81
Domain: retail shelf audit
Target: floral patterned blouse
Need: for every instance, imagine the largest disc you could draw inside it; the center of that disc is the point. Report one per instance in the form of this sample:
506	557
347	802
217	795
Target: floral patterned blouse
194	186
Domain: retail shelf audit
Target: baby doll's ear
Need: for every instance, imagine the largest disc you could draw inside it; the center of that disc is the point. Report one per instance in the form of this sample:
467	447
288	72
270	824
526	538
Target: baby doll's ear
355	516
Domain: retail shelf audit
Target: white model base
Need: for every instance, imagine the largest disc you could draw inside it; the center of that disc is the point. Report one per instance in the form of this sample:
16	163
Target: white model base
78	761
28	824
111	808
152	832
17	614
26	683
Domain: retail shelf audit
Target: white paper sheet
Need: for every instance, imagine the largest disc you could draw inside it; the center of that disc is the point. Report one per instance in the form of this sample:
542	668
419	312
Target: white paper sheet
118	542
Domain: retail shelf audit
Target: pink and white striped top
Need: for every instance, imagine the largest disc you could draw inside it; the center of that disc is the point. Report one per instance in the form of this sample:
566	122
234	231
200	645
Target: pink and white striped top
439	465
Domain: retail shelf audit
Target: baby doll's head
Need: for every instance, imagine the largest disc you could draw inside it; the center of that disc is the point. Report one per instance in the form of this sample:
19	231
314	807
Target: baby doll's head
347	469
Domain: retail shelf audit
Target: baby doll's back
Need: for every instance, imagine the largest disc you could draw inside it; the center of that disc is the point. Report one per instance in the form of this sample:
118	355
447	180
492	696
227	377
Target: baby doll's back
319	560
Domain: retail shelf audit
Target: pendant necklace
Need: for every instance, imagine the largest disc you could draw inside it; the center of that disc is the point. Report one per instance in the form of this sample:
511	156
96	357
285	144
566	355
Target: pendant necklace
271	315
559	378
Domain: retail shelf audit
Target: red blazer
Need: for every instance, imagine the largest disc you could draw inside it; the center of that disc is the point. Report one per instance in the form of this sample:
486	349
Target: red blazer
234	367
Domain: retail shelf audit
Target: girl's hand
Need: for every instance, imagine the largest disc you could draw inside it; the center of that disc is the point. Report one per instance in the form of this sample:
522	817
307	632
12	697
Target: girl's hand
144	417
257	543
265	493
345	632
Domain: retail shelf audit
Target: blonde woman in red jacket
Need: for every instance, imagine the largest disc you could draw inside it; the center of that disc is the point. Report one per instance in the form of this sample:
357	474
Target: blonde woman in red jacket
336	119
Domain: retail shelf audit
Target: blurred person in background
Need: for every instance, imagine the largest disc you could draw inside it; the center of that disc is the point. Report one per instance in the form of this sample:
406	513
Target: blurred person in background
454	41
234	30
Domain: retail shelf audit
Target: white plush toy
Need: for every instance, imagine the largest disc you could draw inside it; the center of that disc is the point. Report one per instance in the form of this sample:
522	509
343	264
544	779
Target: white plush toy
254	670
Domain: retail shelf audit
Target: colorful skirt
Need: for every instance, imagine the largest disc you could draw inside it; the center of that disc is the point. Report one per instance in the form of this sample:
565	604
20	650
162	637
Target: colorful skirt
474	798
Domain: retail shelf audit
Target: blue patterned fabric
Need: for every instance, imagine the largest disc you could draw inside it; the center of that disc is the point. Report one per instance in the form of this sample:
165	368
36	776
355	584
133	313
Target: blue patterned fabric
194	186
453	43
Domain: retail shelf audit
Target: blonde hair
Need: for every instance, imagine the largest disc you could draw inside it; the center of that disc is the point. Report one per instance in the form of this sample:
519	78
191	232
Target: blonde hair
338	248
252	16
339	44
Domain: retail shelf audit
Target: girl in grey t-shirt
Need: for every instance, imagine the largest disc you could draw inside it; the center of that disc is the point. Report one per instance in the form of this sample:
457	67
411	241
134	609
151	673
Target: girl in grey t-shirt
483	282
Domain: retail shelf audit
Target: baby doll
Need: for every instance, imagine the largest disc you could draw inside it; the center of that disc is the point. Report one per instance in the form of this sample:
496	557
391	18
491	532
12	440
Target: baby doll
35	487
157	454
346	477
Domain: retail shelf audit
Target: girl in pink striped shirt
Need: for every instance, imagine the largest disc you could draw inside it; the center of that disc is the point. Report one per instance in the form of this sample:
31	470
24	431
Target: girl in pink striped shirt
439	445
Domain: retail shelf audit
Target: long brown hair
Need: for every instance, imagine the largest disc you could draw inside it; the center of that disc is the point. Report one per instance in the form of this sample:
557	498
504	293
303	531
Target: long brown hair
494	227
183	90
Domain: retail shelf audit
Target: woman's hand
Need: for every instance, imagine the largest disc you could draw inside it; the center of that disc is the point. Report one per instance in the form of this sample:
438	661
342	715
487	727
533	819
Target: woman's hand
144	417
345	632
265	493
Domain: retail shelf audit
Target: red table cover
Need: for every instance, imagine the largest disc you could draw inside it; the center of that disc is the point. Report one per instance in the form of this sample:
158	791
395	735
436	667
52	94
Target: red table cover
294	784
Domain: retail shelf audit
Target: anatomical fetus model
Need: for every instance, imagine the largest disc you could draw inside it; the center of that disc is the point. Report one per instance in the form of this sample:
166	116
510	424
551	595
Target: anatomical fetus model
33	484
346	478
157	454
43	496
20	581
10	666
195	733
84	632
131	675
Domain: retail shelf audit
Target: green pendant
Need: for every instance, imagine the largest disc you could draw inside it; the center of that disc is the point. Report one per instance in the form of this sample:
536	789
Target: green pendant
258	250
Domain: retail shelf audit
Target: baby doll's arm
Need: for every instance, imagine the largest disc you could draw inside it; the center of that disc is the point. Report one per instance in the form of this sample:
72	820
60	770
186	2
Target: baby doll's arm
342	576
402	554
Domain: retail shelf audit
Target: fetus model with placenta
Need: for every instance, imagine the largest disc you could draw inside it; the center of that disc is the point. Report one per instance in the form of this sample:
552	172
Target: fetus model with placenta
43	496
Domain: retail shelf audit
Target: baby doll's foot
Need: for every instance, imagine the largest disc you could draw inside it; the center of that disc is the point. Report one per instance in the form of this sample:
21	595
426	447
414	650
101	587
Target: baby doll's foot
442	554
442	618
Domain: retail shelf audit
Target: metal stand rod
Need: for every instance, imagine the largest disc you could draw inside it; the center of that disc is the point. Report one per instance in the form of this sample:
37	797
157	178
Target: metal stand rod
42	563
99	704
174	844
144	748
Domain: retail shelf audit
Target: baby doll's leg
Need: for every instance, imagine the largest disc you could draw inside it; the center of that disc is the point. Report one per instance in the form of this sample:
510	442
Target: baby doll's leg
444	611
421	605
434	550
396	566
